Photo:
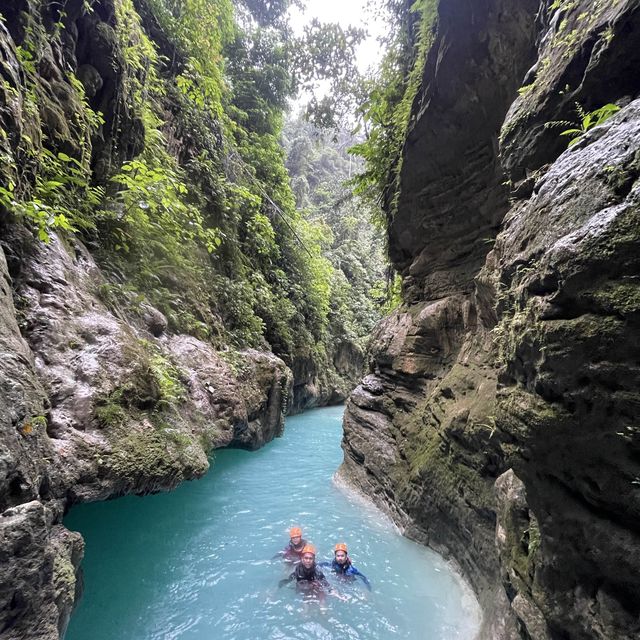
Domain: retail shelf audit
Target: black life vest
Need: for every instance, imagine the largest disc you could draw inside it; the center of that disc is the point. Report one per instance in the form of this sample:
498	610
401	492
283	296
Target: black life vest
311	574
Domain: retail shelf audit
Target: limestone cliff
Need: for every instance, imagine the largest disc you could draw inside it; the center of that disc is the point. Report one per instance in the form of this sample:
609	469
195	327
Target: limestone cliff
316	386
497	422
97	398
95	405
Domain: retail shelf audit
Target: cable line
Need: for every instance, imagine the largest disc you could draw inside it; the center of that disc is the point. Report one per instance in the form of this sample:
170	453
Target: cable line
243	165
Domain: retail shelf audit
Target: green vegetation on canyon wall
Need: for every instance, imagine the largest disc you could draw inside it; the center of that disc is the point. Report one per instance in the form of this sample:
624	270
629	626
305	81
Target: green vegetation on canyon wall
389	94
321	171
163	290
159	148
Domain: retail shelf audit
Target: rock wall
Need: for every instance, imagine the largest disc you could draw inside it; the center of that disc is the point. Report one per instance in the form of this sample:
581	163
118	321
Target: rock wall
95	400
96	405
316	386
497	420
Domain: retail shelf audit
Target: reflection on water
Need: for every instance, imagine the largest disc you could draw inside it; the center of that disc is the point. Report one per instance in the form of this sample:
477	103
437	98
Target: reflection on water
196	563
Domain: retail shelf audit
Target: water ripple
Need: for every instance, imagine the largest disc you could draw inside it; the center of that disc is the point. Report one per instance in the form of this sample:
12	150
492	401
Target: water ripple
197	564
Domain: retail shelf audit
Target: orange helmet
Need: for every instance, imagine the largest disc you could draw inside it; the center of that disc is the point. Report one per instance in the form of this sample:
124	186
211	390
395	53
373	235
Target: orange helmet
341	546
295	532
308	548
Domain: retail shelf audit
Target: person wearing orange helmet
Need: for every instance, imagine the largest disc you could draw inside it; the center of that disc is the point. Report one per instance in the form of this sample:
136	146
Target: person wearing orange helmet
342	566
293	551
308	577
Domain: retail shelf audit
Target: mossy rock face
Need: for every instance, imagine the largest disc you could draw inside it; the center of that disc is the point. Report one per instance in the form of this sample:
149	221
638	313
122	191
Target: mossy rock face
569	384
420	434
24	447
514	409
587	58
69	551
109	414
38	572
132	413
147	458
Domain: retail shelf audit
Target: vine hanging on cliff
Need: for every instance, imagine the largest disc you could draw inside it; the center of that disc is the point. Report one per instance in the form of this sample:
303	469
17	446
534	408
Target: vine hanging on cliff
386	111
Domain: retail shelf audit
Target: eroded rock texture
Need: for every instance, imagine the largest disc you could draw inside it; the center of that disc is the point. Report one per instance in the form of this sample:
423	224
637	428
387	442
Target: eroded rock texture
95	402
96	405
317	387
498	421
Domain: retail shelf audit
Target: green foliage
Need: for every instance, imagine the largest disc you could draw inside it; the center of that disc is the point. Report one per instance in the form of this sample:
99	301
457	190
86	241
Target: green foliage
200	29
354	275
388	293
109	413
525	89
155	209
386	110
269	12
587	121
46	175
152	227
262	61
140	72
203	223
154	384
326	52
167	379
563	5
48	189
273	282
153	231
260	228
57	199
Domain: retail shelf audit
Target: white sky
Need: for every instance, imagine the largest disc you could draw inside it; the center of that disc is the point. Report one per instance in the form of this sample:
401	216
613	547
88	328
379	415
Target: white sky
345	12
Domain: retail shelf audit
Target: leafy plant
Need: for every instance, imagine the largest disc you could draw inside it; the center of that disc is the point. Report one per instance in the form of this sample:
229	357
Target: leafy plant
47	188
386	110
200	29
60	194
587	121
154	202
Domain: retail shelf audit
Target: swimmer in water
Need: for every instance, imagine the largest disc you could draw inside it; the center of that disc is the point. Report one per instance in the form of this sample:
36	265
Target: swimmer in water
309	579
342	566
293	551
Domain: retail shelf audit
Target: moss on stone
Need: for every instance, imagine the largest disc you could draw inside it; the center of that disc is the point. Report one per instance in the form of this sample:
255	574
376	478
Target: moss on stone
33	425
153	383
64	575
155	457
109	414
432	452
534	538
166	377
618	297
153	445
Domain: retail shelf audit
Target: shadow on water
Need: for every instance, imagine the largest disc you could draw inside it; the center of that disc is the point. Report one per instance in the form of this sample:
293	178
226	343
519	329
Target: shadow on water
195	563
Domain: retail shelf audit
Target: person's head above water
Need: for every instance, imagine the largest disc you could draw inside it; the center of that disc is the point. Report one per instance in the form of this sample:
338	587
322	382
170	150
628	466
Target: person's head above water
340	552
308	556
295	533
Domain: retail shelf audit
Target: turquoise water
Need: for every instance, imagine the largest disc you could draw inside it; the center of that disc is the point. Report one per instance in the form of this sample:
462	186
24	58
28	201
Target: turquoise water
196	564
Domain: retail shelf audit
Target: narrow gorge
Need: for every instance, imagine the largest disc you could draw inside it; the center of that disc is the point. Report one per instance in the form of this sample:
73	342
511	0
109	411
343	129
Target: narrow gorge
182	266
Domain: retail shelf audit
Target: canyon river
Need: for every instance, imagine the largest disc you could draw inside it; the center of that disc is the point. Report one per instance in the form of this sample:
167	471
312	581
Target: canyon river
197	563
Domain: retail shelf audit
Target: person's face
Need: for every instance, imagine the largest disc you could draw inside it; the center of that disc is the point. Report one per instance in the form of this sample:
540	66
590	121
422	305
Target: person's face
341	557
296	541
307	560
